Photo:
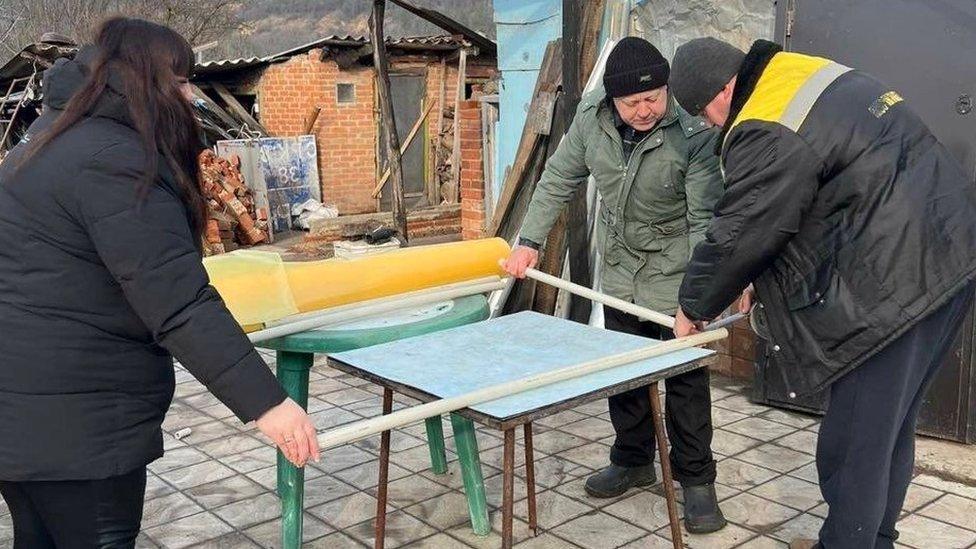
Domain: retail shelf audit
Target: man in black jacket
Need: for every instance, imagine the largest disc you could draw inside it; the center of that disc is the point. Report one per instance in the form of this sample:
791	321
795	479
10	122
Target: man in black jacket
857	230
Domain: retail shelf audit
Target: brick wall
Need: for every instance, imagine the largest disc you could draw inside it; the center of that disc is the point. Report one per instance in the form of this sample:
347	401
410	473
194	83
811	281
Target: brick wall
472	172
736	354
435	221
346	133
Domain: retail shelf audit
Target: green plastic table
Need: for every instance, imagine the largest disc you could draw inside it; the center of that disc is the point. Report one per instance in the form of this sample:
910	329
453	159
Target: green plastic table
295	355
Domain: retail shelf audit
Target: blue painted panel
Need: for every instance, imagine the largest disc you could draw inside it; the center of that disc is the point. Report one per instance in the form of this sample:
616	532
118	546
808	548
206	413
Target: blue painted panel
523	28
526	11
522	47
464	359
515	95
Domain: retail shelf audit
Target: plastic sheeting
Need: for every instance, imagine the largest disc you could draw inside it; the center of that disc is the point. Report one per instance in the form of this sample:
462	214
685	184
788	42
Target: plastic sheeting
258	287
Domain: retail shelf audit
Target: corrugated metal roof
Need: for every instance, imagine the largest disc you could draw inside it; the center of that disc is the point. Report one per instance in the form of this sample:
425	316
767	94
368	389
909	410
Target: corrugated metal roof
213	67
439	42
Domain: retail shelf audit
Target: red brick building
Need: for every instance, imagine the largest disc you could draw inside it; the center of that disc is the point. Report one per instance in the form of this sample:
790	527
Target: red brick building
334	77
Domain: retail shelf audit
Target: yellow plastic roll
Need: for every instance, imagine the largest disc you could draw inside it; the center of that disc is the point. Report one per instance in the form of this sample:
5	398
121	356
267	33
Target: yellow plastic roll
259	287
253	284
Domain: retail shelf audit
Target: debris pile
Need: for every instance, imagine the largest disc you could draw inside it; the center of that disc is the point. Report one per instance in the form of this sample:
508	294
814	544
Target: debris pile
233	218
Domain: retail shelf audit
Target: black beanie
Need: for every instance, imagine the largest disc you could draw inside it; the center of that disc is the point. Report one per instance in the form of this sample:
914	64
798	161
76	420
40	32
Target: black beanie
702	67
634	66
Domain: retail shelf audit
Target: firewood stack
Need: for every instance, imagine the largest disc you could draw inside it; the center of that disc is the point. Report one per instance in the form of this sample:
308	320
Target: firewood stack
233	219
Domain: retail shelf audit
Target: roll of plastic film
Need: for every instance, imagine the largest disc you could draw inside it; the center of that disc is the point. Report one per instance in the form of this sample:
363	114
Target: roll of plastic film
258	287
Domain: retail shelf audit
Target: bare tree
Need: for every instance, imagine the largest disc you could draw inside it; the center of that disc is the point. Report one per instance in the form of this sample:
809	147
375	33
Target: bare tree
24	21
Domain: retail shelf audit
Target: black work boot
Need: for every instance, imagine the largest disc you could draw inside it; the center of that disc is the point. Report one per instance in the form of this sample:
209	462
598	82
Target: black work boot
615	480
702	514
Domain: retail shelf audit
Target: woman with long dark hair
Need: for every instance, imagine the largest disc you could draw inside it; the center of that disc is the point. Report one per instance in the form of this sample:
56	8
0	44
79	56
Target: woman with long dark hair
101	285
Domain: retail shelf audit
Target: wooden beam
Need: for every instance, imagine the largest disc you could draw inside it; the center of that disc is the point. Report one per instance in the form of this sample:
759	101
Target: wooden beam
590	37
403	147
387	119
456	152
313	117
214	107
452	26
577	226
554	254
237	108
434	185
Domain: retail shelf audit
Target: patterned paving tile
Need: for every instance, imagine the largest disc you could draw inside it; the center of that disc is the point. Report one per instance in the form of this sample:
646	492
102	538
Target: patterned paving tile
188	531
952	509
923	533
214	489
598	530
758	514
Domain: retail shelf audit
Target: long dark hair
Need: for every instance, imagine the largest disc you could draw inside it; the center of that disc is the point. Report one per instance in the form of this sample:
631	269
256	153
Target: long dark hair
151	60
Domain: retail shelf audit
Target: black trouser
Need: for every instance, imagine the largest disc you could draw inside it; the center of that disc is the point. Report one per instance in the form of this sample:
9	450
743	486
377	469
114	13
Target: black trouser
688	415
866	449
82	514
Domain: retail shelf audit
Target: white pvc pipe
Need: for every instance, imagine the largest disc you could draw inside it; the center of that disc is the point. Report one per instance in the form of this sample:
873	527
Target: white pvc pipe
346	313
583	291
368	427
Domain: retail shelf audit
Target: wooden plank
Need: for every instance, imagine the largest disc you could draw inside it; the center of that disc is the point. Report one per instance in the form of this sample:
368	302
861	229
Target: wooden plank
310	123
554	253
403	147
238	109
434	185
214	107
454	195
451	25
387	119
577	227
590	37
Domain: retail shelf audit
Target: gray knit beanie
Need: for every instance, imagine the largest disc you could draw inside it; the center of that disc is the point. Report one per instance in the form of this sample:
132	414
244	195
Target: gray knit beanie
699	71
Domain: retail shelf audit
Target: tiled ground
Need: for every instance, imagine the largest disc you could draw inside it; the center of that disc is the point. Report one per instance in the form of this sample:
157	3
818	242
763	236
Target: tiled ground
215	487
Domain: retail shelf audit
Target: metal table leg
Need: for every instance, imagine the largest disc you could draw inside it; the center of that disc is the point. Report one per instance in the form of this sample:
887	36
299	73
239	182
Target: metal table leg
382	489
667	479
508	488
530	479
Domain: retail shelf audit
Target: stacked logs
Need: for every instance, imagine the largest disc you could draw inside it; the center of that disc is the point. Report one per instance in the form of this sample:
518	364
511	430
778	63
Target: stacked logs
233	218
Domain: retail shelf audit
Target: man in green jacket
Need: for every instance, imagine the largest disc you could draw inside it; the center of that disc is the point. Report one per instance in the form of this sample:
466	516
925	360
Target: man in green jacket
658	176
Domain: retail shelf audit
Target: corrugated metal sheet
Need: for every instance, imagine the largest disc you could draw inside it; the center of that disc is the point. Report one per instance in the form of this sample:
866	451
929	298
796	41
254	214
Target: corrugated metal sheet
215	67
419	43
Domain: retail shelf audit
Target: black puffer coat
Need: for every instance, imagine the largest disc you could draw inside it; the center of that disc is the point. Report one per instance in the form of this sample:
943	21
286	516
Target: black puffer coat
849	216
99	290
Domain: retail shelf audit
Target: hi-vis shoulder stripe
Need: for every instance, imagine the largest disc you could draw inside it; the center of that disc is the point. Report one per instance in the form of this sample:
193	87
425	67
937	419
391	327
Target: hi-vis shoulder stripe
798	109
790	85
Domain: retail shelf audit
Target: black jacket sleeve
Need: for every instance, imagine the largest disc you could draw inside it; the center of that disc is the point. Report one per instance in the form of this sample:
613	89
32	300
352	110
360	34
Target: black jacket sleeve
148	247
771	179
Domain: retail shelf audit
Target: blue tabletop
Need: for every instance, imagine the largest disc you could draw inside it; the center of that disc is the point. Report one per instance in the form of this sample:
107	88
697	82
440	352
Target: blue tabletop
463	359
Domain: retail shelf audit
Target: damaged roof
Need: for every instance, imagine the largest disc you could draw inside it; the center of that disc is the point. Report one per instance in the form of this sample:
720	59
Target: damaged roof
348	42
35	57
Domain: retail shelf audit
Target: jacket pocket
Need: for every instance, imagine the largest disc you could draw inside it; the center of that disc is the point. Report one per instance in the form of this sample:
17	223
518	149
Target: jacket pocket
827	317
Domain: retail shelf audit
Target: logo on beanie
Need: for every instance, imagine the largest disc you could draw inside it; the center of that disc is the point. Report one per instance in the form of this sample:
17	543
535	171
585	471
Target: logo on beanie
646	78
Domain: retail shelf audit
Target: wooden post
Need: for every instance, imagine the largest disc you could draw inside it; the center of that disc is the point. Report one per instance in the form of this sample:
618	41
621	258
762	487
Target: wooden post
456	153
403	148
579	244
312	118
434	190
387	120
